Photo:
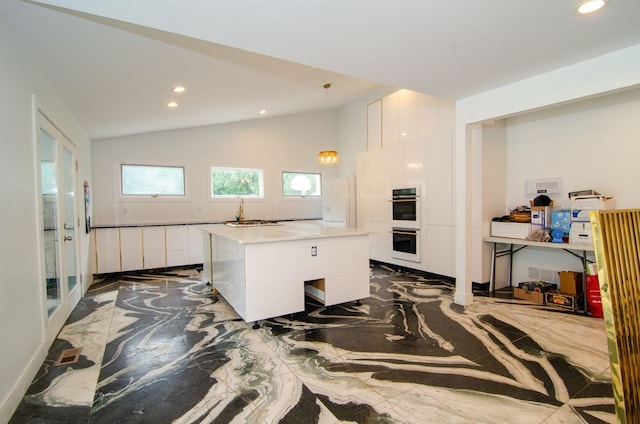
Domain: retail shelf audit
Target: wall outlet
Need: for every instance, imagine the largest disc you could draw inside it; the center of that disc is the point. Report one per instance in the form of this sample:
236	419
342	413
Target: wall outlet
314	250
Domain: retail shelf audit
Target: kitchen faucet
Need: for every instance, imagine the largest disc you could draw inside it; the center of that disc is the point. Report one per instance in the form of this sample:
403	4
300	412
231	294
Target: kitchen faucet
240	213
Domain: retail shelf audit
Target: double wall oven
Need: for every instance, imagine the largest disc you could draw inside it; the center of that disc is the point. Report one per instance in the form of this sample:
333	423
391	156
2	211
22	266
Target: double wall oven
405	222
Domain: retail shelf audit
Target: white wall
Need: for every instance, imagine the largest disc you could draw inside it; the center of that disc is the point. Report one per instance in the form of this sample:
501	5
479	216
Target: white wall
22	308
593	144
275	145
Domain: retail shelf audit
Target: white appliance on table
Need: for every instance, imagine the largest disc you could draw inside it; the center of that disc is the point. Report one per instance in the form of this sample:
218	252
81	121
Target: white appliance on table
339	202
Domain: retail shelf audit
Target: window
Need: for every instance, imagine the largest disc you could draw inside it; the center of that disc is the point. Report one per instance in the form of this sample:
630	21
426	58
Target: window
301	184
152	180
234	182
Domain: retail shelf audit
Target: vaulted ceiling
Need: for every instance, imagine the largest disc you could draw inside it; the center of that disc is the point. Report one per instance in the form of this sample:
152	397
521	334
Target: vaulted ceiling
114	62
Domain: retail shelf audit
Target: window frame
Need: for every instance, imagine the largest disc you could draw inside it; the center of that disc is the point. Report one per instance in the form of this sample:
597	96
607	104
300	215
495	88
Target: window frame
301	196
261	183
157	196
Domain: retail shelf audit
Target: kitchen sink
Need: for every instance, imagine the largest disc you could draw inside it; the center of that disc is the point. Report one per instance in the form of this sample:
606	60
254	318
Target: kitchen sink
252	223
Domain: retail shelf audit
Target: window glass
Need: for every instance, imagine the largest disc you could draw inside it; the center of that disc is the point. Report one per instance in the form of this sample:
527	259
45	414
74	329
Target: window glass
234	182
301	184
152	180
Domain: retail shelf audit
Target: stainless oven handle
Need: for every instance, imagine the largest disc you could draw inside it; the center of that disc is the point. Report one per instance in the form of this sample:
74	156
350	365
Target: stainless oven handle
409	233
413	199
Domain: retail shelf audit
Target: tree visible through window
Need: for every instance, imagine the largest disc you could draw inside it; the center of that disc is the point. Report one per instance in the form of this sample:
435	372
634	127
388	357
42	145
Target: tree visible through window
233	182
301	184
152	180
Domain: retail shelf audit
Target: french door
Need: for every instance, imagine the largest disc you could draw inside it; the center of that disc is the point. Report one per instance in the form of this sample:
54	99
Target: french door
59	239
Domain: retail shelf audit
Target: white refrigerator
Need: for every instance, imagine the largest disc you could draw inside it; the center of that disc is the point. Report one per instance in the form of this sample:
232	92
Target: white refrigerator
339	202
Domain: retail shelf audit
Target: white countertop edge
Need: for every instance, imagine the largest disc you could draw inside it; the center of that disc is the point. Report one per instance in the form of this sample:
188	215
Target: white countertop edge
278	233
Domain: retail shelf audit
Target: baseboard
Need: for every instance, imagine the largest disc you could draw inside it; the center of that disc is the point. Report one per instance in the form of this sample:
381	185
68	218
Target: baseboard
14	397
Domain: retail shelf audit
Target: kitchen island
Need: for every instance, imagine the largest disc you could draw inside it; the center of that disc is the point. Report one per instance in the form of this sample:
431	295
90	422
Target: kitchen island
265	271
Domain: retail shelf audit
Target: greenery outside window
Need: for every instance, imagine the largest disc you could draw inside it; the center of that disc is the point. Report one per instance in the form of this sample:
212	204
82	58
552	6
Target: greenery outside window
152	180
236	182
301	184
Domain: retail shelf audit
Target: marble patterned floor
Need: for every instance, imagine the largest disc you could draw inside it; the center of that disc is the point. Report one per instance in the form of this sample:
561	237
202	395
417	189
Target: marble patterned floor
161	348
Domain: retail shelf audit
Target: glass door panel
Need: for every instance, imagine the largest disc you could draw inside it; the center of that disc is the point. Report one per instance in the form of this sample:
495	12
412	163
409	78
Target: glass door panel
69	224
49	189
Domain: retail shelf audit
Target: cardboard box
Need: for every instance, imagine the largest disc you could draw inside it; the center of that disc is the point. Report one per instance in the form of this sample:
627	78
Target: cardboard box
518	230
530	295
561	301
582	205
561	218
580	233
541	215
571	282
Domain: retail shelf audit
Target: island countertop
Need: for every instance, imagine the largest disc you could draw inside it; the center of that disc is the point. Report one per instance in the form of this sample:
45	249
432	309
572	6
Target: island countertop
288	231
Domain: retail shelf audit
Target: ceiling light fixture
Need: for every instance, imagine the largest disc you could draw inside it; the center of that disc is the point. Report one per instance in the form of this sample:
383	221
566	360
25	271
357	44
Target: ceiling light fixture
327	156
178	89
263	111
172	104
586	7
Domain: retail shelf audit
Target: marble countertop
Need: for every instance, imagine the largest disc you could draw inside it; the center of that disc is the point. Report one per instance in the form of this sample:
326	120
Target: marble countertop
286	232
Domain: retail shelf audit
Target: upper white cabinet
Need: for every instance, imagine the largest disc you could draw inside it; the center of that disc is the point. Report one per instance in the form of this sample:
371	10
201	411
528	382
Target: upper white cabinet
153	247
407	115
390	119
374	125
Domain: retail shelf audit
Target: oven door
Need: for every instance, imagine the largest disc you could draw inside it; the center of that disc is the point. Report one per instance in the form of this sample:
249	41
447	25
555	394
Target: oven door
405	212
406	244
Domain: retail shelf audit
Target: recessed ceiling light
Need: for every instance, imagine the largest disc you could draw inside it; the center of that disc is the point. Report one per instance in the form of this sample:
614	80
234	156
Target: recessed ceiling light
178	89
172	104
586	7
262	111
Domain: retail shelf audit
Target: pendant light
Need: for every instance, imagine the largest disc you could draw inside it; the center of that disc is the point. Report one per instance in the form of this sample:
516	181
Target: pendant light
327	156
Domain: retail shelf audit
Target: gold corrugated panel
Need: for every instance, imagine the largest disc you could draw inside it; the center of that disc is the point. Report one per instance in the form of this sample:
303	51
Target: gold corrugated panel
616	236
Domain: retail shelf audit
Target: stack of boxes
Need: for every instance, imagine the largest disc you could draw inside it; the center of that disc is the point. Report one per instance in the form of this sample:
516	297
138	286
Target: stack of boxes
571	291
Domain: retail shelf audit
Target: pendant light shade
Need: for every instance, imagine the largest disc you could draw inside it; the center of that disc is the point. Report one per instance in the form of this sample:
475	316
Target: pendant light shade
328	156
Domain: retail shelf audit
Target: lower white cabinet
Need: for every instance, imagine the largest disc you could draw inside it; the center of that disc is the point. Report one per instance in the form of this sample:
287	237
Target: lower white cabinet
195	244
177	244
153	247
147	247
107	242
131	249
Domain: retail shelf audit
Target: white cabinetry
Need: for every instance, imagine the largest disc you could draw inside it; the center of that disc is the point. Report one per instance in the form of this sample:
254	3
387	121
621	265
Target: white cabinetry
177	239
374	125
195	244
407	115
153	247
107	250
417	150
131	248
390	119
138	248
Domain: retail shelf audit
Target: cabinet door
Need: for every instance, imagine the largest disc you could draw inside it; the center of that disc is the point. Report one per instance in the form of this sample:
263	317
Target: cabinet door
177	239
374	125
107	250
153	246
131	248
195	245
390	119
407	115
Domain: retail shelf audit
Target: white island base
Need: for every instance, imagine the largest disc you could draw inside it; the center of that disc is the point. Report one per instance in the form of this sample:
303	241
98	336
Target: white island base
263	271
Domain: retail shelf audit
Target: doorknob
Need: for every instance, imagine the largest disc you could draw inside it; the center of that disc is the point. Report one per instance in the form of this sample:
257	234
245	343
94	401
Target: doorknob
68	238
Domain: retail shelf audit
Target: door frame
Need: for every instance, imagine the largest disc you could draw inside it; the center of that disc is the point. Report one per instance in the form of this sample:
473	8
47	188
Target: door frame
52	324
